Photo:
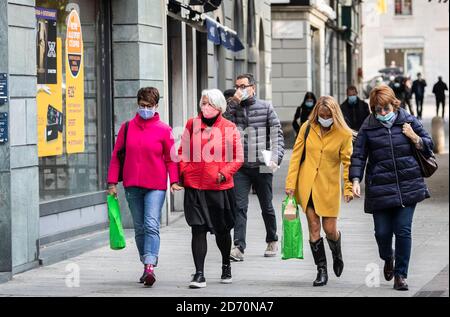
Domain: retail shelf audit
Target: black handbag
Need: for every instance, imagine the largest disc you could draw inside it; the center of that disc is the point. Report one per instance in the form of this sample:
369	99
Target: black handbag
428	166
121	154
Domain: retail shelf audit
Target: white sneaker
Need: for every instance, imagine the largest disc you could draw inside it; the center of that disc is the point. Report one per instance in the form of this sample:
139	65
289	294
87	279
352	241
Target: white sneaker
236	255
272	250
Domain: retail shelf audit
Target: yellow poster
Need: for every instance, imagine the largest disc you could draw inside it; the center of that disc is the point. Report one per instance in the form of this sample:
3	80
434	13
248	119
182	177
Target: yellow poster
50	112
75	133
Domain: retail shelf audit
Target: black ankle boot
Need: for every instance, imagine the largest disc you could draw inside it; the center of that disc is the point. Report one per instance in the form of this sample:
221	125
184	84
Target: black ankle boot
320	259
336	250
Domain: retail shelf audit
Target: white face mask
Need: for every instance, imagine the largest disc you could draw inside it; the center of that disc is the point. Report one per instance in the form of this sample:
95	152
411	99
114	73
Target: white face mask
326	123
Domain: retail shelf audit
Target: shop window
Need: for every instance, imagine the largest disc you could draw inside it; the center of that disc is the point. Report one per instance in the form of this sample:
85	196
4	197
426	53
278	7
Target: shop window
70	149
403	7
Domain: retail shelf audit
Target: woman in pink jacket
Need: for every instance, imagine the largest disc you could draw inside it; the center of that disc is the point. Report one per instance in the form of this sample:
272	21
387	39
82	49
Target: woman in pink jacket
148	161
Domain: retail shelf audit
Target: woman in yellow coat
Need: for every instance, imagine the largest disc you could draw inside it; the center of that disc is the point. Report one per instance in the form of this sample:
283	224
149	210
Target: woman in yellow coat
316	181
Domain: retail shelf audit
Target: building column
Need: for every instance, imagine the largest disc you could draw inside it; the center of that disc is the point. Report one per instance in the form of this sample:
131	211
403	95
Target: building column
5	174
19	164
138	60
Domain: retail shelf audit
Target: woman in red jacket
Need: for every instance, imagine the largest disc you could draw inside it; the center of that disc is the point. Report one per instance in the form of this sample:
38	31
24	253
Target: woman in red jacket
211	153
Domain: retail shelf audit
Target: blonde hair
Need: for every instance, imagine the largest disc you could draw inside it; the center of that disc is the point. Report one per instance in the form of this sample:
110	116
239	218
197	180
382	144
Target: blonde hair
336	112
383	95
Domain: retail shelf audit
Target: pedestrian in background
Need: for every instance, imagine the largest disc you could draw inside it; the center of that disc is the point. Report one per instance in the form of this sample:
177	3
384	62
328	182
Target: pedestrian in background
418	90
148	161
398	86
325	141
209	202
408	94
258	120
354	109
394	183
439	90
304	111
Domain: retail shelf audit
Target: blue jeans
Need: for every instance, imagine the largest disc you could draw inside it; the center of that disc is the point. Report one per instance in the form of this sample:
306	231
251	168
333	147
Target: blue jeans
145	206
398	222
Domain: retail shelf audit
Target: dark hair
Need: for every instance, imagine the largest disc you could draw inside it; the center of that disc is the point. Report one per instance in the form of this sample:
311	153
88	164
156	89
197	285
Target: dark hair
352	88
149	94
250	77
229	93
309	95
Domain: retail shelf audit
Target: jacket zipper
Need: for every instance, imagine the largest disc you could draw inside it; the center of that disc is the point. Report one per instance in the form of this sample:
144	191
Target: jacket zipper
395	168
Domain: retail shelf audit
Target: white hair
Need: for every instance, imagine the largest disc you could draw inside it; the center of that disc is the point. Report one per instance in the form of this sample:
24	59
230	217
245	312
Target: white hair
216	99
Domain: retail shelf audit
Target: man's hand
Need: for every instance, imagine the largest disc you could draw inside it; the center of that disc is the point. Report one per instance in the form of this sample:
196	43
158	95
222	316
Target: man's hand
273	166
175	188
238	95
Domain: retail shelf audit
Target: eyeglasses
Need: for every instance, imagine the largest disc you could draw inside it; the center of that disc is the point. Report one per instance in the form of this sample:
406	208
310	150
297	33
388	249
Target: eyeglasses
242	87
379	109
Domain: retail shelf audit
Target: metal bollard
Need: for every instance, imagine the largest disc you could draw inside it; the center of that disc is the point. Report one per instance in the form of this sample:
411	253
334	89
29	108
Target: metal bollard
438	135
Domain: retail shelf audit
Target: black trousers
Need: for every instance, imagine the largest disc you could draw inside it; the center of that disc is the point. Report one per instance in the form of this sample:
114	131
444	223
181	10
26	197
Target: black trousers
262	183
440	101
419	103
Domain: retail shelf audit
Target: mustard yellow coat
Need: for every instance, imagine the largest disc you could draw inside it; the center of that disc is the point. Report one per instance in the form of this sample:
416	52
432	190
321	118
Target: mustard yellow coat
321	174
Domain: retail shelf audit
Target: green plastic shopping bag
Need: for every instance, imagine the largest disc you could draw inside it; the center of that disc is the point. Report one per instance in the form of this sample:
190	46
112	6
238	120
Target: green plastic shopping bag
116	234
292	240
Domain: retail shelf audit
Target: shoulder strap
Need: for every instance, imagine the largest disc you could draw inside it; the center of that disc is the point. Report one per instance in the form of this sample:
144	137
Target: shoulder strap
125	137
308	129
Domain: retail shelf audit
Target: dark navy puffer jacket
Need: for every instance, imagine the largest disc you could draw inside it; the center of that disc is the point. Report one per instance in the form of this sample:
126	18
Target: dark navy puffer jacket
393	176
260	129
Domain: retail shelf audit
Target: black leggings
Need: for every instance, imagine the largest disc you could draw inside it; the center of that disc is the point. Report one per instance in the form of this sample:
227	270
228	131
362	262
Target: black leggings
200	247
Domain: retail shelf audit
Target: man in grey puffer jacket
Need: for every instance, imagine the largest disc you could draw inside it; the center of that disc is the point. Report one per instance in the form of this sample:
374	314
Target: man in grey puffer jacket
261	132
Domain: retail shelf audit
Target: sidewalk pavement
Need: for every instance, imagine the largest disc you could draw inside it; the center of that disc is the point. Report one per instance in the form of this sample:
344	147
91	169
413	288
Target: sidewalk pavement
104	272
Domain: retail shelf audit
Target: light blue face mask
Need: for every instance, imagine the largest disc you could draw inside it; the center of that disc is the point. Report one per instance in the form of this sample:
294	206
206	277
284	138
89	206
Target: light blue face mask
326	123
245	95
309	104
146	114
387	117
352	100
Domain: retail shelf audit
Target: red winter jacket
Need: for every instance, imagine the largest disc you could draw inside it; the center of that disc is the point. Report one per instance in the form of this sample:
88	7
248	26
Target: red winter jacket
207	151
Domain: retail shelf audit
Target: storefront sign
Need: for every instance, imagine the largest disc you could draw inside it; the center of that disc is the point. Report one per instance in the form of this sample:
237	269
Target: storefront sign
46	46
292	30
3	88
49	112
75	133
3	127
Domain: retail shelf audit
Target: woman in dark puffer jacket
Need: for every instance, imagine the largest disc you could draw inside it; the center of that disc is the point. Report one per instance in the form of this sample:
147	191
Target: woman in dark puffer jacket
394	182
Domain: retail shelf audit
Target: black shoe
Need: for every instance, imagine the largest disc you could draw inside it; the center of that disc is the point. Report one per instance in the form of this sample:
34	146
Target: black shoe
336	250
320	259
198	281
226	275
400	284
389	269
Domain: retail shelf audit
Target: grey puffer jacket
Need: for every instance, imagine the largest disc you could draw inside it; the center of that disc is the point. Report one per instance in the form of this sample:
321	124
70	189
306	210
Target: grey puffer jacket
260	130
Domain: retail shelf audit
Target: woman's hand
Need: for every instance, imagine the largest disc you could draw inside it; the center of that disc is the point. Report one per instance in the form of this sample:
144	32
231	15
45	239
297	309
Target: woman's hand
356	189
112	190
348	198
409	132
220	179
290	192
175	188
